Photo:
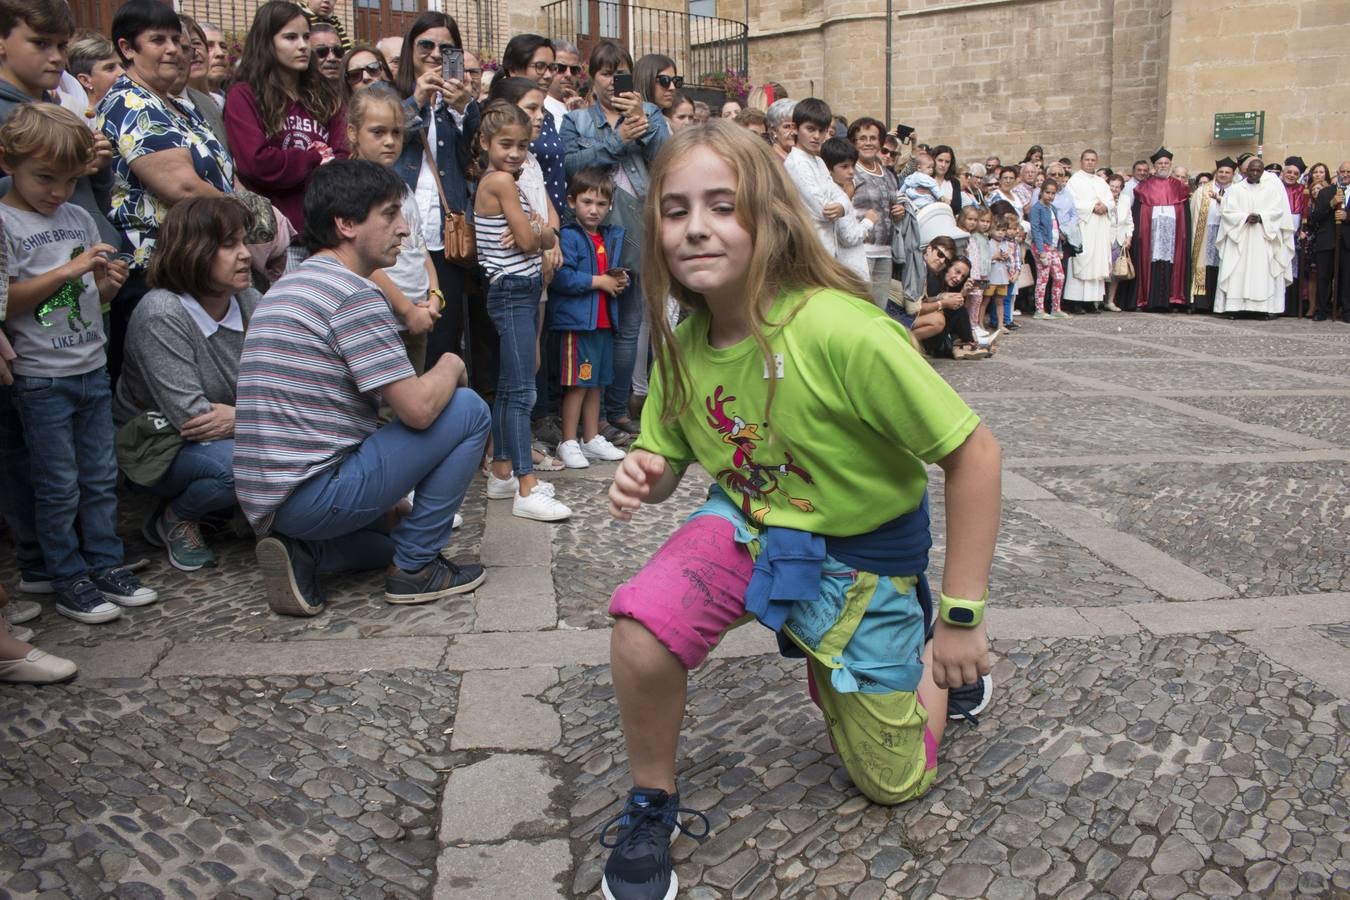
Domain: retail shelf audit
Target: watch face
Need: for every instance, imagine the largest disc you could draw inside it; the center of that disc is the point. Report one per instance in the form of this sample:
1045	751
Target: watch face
959	615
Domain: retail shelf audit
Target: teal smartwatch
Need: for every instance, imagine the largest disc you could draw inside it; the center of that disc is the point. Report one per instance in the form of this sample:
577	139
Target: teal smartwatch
962	613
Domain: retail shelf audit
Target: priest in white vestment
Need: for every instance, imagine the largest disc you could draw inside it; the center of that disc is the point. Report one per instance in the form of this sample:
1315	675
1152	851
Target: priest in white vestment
1255	246
1085	279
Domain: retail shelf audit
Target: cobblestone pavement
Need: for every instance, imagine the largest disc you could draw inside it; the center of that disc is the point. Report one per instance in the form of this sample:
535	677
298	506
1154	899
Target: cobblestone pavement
1171	623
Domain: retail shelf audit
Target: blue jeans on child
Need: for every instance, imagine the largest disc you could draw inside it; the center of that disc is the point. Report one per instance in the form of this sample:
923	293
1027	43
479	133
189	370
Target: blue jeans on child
68	429
513	305
340	511
631	311
200	479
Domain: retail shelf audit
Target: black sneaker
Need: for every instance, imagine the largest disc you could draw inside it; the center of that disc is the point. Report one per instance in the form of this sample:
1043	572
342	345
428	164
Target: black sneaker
84	602
124	588
640	867
290	577
438	578
969	700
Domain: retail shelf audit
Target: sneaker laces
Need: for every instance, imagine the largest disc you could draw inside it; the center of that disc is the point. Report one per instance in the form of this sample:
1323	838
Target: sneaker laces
647	824
960	700
189	533
121	579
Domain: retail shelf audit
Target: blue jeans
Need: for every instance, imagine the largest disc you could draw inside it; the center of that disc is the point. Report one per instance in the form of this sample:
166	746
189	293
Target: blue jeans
68	428
16	490
631	311
513	304
200	479
340	511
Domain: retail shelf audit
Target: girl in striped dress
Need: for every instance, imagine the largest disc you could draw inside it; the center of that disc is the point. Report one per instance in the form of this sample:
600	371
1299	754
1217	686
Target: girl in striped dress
511	237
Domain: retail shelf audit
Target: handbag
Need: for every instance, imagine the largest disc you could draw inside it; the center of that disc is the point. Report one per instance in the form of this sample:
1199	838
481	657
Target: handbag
1123	268
263	227
457	231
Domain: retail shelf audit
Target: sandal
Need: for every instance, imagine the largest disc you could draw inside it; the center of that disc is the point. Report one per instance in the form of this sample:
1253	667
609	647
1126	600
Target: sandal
969	352
544	461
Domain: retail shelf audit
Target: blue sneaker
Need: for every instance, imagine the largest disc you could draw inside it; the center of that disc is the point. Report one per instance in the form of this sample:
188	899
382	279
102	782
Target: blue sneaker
969	700
123	588
640	866
84	602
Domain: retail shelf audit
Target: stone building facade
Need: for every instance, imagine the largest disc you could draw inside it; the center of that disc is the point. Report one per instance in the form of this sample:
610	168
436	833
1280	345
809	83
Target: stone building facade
995	76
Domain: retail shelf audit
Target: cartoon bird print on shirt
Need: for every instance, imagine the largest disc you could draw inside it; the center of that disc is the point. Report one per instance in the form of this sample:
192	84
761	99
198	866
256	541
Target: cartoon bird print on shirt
68	296
753	481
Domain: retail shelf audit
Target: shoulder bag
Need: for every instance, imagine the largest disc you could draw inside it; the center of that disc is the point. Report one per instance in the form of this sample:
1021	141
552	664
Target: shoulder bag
457	230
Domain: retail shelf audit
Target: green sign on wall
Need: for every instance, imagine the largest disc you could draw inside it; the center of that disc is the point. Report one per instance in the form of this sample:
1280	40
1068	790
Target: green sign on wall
1237	126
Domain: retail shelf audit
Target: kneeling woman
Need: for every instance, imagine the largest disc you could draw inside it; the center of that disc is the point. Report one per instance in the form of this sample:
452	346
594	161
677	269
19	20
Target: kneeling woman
178	381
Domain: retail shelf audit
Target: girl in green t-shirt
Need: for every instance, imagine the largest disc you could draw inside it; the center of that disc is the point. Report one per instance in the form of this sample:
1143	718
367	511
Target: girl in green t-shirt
816	417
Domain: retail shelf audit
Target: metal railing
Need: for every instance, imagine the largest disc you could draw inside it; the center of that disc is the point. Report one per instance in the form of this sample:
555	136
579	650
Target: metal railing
702	46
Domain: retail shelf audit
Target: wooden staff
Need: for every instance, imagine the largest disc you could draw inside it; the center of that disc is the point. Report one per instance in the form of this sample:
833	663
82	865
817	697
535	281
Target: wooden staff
1337	203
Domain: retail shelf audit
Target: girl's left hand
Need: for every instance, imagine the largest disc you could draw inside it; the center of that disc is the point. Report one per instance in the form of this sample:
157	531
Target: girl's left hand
960	655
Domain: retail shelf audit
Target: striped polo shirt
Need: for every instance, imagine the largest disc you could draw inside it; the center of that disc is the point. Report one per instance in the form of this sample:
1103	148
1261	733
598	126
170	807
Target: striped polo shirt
321	344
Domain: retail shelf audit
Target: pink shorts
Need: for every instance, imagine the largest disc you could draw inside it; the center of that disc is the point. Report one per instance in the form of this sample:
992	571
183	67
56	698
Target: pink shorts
691	591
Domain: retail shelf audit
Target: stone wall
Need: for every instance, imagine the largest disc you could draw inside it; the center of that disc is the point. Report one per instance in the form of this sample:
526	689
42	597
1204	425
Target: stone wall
1284	57
994	77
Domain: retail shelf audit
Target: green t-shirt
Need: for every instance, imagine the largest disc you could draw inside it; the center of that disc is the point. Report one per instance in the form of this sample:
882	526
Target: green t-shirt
858	413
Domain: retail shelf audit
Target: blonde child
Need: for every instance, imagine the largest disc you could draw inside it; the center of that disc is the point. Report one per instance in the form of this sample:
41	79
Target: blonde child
376	122
1004	266
514	267
783	382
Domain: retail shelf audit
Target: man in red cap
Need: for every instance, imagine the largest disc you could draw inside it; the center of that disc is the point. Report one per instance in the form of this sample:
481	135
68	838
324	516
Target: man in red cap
1162	238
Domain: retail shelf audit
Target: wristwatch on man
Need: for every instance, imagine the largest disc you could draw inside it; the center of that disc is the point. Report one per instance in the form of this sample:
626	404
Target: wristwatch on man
962	613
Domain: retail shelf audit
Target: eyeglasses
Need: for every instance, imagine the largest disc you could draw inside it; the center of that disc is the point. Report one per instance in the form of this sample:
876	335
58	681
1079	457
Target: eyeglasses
571	70
540	68
426	45
372	68
942	255
325	51
668	81
887	151
473	71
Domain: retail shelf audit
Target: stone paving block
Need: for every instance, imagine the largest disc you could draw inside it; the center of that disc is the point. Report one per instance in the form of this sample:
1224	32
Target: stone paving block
516	598
117	659
302	657
1021	623
512	541
503	650
1242	613
1019	487
1130	554
1321	660
515	869
505	795
500	709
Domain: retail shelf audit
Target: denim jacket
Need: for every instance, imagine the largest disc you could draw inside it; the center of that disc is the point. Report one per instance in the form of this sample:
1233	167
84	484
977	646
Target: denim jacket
591	142
454	150
1043	220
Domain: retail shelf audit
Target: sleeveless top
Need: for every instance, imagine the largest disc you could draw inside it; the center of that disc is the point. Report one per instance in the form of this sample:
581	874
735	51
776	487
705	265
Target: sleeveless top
497	260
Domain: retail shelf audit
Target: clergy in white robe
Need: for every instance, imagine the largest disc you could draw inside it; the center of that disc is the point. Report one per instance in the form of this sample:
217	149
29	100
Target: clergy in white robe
1255	250
1085	281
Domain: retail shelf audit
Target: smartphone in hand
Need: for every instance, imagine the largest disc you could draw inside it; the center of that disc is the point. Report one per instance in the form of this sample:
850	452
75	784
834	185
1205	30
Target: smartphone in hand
452	63
623	83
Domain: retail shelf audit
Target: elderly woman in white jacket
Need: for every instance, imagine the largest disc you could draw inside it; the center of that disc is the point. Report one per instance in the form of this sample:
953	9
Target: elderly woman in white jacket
1122	231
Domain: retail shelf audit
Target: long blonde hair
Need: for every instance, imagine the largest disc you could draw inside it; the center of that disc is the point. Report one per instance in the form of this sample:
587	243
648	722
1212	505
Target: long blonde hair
787	253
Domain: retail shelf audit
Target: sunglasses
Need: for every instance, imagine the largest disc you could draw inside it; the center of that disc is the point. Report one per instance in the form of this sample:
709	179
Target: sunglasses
942	256
887	152
667	81
372	68
325	52
570	70
426	45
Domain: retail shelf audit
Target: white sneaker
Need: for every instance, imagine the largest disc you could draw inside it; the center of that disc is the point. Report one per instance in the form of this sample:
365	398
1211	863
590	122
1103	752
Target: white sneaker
36	587
458	522
540	505
501	488
1017	312
19	611
573	455
600	448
